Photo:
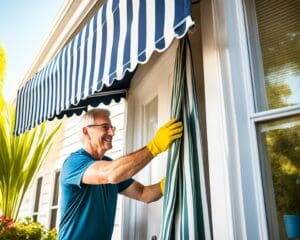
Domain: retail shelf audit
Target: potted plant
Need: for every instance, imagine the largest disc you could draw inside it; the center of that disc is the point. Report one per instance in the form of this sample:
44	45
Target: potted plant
288	202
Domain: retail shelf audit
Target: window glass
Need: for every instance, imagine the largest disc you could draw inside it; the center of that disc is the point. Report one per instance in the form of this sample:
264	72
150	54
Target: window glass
37	199
56	189
53	218
55	197
279	38
281	150
38	194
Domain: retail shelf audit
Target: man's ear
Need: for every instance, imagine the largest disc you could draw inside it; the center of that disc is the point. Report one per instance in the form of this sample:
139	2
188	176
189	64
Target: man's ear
85	131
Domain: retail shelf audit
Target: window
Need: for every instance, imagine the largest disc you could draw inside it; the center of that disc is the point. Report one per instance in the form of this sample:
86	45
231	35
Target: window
54	202
37	199
278	33
274	33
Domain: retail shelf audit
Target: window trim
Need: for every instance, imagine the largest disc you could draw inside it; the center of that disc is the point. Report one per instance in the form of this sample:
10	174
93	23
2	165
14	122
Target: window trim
275	114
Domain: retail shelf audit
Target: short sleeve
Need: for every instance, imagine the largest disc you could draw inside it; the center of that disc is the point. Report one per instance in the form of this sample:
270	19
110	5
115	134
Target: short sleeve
74	167
125	184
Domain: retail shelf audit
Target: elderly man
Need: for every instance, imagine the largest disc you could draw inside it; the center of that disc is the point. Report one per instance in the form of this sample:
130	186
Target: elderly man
90	181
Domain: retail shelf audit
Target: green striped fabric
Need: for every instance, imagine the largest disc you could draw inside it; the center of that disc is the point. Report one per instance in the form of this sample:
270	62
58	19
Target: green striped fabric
185	206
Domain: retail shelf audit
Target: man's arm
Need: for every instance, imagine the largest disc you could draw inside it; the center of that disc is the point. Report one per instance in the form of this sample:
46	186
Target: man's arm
123	168
143	193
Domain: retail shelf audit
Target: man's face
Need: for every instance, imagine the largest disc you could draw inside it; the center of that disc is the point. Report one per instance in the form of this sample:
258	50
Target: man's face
101	134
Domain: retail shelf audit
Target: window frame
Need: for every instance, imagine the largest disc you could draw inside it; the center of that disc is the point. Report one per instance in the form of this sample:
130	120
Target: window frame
263	114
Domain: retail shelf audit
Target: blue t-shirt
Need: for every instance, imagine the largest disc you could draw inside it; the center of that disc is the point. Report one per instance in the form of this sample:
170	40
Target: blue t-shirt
87	211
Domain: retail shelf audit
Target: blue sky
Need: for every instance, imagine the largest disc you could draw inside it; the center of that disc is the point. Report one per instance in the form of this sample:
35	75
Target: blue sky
23	26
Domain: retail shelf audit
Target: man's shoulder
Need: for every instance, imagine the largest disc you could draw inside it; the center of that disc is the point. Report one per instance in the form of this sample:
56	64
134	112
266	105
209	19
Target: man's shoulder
79	154
82	155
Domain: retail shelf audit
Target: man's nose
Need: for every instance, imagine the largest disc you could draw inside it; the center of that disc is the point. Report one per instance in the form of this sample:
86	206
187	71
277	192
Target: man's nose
111	131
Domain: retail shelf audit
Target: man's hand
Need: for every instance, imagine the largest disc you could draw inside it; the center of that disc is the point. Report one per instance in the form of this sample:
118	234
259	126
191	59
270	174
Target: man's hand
165	136
162	185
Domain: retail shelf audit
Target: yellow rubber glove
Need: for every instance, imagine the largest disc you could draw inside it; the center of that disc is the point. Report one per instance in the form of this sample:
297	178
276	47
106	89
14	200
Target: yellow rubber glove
162	185
165	136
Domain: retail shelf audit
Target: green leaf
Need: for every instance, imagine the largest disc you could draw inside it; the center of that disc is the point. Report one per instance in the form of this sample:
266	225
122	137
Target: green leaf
20	159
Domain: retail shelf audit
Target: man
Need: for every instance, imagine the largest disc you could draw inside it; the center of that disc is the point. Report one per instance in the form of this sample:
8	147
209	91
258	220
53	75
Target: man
90	181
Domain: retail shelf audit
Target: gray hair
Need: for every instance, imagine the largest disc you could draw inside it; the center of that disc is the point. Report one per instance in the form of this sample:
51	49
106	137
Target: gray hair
88	118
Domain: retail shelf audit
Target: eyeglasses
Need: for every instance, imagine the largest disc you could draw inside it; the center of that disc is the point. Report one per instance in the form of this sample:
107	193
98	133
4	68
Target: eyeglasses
105	127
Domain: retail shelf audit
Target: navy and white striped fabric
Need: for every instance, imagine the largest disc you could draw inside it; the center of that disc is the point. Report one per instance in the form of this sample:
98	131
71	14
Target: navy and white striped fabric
185	209
122	34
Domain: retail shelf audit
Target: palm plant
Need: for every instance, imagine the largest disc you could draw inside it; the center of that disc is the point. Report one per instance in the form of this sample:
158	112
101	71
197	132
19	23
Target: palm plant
2	73
20	156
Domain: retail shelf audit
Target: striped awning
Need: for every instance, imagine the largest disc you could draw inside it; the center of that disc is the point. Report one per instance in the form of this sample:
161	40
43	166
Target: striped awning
122	34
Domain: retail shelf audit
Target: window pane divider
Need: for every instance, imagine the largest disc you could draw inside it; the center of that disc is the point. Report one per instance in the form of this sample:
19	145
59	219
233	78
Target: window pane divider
275	113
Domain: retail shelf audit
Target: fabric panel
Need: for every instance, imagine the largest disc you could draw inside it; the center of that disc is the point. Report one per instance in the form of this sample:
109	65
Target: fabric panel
185	205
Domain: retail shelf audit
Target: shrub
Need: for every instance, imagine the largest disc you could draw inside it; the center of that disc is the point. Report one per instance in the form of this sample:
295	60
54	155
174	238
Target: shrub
24	229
